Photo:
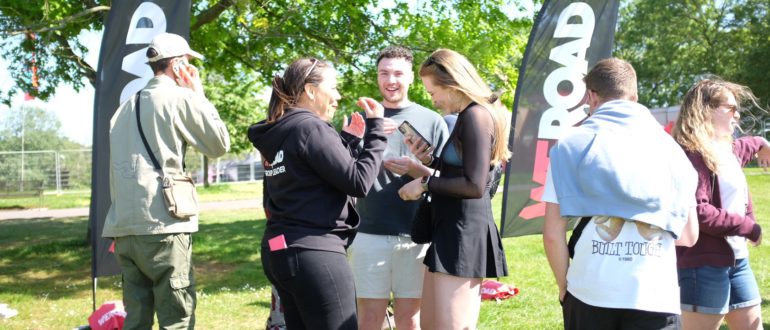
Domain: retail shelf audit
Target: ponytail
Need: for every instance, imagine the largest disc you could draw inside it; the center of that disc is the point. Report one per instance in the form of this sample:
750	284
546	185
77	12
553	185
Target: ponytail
278	100
288	88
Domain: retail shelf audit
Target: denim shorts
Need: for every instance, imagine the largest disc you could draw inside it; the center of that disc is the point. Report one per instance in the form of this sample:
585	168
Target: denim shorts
718	290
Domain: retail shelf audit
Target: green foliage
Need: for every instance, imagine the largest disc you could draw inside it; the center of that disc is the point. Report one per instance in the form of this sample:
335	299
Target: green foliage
238	106
673	44
44	33
42	130
262	38
39	130
246	42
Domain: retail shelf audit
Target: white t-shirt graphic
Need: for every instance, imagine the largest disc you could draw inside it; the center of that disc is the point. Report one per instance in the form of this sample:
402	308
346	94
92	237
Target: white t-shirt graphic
625	264
622	264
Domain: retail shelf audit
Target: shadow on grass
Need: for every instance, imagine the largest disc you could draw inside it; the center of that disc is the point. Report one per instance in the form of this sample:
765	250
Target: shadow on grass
44	256
227	255
51	257
263	304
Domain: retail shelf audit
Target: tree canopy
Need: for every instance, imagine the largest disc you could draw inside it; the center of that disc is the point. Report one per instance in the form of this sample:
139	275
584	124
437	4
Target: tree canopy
246	42
673	44
40	129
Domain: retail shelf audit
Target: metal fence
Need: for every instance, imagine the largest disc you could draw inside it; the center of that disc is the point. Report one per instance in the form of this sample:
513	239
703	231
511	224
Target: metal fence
228	168
56	171
62	171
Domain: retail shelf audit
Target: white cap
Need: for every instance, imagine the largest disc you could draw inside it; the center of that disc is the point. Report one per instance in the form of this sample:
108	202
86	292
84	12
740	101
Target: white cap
171	45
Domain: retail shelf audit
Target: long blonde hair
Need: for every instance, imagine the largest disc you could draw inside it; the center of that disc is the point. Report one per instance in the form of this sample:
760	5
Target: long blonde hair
694	129
452	70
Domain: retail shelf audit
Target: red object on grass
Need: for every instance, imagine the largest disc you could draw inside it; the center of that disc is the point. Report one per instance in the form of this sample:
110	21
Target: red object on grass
669	126
109	316
494	290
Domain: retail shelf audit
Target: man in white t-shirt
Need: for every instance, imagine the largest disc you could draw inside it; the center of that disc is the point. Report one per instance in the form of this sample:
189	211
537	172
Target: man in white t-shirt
635	187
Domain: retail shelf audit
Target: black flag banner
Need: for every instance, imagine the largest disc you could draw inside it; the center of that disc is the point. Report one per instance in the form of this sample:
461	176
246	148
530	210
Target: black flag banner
122	72
568	37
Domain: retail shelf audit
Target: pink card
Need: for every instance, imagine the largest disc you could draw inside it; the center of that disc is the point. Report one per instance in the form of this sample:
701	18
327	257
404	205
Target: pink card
277	243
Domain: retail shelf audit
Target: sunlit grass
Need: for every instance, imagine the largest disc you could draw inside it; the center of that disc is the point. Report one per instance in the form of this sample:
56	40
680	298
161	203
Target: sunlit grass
45	272
82	198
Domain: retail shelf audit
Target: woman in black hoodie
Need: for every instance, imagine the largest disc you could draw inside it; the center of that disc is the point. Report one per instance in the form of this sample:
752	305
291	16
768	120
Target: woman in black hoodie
311	176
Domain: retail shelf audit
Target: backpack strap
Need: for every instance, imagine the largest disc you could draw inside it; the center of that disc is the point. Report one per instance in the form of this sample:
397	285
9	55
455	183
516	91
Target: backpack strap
576	235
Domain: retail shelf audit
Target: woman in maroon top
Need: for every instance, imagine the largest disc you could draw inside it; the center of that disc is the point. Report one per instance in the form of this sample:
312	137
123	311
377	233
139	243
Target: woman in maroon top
715	279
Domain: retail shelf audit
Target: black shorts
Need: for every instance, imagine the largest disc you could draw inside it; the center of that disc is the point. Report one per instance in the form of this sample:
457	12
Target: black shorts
579	316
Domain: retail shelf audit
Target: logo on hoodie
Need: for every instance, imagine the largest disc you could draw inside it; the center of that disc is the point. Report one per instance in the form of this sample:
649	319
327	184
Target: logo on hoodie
276	170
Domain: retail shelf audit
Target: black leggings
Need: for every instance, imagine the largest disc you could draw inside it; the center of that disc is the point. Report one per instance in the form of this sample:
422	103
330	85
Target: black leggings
316	288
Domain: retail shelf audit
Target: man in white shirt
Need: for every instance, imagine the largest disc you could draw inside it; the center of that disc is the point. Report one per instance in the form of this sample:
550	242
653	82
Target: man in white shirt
635	188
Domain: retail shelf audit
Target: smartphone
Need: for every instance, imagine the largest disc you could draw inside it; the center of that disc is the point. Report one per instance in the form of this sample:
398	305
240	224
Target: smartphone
408	130
179	65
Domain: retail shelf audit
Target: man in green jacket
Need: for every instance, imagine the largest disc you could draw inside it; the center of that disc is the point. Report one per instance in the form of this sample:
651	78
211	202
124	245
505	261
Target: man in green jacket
153	248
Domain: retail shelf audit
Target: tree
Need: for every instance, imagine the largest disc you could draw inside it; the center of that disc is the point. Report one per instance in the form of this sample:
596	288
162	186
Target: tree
246	40
672	45
30	128
39	129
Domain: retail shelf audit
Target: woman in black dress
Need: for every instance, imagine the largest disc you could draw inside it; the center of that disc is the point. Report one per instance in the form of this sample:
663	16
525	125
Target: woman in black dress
466	244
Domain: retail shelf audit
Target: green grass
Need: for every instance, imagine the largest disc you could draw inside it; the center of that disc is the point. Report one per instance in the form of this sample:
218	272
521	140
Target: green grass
45	273
74	199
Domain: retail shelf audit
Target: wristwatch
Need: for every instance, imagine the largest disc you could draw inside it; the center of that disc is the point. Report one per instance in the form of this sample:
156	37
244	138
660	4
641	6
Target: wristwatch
424	183
430	160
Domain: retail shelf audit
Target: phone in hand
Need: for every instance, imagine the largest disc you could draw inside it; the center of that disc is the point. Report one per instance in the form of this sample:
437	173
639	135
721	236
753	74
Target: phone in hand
180	64
408	130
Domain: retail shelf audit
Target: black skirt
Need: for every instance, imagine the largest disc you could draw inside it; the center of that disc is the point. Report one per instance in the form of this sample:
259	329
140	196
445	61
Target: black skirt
466	242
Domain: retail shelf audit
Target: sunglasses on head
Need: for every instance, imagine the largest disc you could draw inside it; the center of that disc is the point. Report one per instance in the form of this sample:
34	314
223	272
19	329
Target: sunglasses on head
307	74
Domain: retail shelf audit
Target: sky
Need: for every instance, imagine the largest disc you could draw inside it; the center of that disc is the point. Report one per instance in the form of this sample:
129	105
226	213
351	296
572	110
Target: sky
75	110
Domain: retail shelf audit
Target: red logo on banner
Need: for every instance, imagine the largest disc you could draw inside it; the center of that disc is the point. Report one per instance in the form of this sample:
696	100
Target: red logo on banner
538	175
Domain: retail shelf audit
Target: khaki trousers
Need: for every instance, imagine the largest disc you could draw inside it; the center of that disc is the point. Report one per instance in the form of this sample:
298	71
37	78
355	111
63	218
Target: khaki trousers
157	277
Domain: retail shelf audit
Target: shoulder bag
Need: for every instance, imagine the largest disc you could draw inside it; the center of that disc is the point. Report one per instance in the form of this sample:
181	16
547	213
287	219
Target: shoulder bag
178	190
422	225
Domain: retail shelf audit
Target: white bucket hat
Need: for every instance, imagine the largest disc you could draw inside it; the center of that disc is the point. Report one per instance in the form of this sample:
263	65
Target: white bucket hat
171	45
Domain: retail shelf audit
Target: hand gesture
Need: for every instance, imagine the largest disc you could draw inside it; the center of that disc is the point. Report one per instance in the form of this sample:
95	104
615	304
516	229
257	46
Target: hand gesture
757	242
405	165
372	108
357	125
390	125
411	191
423	151
763	156
399	165
188	77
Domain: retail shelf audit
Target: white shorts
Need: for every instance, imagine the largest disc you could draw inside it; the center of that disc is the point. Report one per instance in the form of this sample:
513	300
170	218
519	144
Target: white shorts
383	264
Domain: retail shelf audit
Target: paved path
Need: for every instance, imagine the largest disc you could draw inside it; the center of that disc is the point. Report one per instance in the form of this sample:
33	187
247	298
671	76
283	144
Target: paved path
83	211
